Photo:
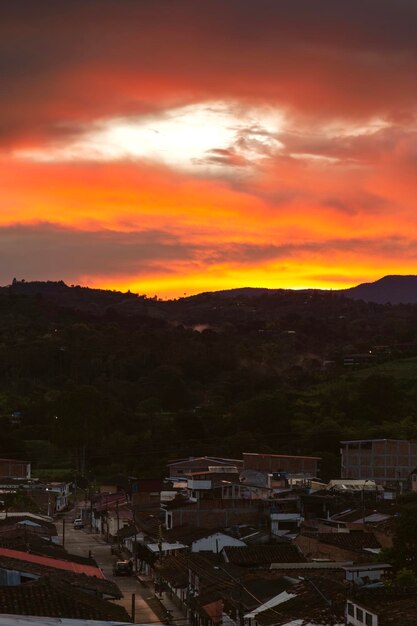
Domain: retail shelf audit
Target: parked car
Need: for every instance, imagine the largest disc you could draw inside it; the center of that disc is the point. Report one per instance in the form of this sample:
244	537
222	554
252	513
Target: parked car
78	523
123	568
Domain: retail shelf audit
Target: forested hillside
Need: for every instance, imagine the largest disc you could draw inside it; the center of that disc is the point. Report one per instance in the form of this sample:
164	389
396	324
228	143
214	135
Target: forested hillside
103	382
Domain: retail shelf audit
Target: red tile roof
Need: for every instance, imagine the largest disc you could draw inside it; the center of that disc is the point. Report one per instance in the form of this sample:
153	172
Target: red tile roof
77	568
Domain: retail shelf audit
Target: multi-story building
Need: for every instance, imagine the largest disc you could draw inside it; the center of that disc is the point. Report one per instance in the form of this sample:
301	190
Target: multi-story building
386	461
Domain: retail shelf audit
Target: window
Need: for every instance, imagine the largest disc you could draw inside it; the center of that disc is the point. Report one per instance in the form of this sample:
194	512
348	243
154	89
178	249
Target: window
169	521
359	614
368	619
350	609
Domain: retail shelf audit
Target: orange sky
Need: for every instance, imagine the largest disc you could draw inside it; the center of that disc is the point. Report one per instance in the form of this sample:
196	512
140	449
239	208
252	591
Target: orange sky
173	148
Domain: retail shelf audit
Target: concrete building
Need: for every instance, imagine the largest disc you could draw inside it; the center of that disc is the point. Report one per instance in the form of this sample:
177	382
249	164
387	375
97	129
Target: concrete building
386	461
297	466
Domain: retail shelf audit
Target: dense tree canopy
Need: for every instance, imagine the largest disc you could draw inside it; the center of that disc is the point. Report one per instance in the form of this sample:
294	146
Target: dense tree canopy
109	382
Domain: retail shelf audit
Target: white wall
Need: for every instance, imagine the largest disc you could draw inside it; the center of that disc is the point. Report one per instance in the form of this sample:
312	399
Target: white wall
356	619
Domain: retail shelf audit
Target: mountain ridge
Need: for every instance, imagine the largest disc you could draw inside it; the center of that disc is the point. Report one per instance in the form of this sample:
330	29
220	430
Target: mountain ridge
392	288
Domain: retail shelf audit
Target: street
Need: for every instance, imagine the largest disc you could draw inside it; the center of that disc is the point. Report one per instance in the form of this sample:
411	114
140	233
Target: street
81	542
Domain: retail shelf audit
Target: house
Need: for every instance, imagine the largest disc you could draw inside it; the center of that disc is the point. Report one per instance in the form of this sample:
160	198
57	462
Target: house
294	466
285	515
22	559
50	597
180	467
21	567
215	513
314	600
202	539
413	480
29	522
382	607
62	491
263	555
149	554
146	493
338	546
118	516
214	592
366	574
100	509
26	620
12	468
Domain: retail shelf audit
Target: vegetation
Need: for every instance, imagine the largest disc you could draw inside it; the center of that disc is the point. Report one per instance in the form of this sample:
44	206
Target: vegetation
108	382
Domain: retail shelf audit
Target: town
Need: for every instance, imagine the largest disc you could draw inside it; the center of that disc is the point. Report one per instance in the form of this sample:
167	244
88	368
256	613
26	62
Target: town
255	541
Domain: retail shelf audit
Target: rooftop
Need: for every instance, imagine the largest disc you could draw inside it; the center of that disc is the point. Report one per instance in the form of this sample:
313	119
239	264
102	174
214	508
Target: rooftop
77	568
281	456
264	554
53	598
355	541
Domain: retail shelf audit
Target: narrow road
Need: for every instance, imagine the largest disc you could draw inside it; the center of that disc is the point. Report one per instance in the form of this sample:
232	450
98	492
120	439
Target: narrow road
81	542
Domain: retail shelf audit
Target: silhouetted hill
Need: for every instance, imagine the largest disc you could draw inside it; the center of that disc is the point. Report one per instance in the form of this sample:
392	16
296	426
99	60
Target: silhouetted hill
389	289
85	299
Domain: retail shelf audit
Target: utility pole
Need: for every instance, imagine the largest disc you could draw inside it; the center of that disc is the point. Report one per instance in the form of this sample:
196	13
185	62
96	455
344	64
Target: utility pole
133	607
118	525
63	532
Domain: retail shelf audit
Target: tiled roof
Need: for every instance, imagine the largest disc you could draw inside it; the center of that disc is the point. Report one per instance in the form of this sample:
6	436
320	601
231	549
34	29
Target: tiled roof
355	515
174	570
24	541
53	598
261	589
147	523
264	554
316	600
43	525
394	608
127	531
356	541
189	534
76	568
79	581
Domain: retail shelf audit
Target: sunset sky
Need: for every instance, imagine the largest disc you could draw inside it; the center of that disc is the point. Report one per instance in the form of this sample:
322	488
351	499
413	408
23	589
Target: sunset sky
175	146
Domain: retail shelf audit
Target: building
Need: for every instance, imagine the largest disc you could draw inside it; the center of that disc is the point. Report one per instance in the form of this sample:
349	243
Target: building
12	468
296	466
181	467
382	607
385	461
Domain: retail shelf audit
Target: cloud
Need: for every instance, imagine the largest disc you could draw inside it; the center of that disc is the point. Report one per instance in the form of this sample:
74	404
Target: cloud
47	251
86	60
306	152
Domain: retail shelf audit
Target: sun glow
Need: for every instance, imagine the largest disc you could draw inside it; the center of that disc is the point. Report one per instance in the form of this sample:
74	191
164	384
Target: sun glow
205	135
